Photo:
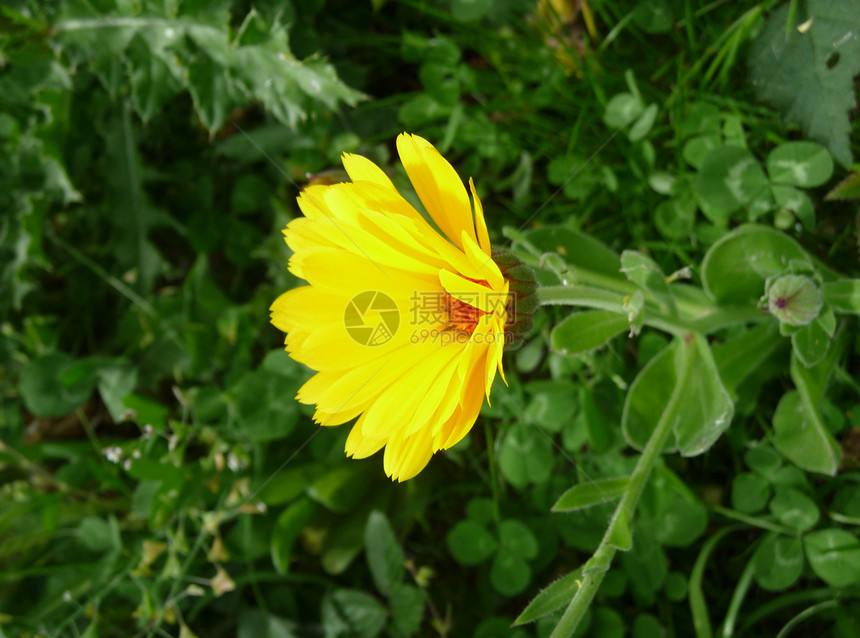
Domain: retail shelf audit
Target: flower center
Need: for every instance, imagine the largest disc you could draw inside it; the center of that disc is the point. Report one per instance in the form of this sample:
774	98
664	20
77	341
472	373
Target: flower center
462	316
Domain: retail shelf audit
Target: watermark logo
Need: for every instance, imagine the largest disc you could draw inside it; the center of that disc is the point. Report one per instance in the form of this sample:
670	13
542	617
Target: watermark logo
371	318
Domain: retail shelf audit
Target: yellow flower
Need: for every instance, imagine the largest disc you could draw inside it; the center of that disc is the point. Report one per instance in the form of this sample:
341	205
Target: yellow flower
405	326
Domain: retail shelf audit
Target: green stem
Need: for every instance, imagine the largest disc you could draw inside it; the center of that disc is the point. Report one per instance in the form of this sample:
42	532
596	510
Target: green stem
598	565
705	319
754	521
737	600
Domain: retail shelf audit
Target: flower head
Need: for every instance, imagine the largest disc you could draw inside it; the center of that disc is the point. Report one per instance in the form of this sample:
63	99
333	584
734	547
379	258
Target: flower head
404	324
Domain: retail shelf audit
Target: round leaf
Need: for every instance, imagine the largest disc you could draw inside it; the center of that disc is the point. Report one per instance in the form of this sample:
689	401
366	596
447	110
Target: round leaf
778	562
728	178
43	390
803	164
794	509
736	267
834	555
517	539
470	543
510	574
749	492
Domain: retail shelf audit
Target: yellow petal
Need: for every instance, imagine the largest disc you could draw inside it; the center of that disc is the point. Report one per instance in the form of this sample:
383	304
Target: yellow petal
480	224
407	456
361	169
360	447
437	185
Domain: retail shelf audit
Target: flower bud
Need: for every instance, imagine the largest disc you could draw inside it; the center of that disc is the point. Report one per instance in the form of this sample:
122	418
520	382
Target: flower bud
794	300
522	302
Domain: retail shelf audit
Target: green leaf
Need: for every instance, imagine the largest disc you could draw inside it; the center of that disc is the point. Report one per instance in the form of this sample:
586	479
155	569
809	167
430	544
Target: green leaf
847	189
340	489
796	201
778	562
517	539
794	509
509	574
365	615
669	510
810	343
254	623
674	218
737	266
750	492
704	410
286	484
585	331
647	626
264	405
553	597
843	296
620	536
590	494
468	10
763	460
407	608
728	179
384	556
696	149
809	75
115	384
100	535
526	455
43	389
622	110
804	164
470	543
739	358
643	124
646	566
834	555
654	16
801	436
289	525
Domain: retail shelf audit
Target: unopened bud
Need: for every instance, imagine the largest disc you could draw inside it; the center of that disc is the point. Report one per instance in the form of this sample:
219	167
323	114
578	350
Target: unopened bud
794	299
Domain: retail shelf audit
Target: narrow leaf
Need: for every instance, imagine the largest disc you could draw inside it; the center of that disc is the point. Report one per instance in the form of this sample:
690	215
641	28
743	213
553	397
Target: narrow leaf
557	595
589	494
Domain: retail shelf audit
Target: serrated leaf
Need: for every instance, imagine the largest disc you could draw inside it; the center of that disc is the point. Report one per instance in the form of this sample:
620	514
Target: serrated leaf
848	188
366	616
809	75
407	608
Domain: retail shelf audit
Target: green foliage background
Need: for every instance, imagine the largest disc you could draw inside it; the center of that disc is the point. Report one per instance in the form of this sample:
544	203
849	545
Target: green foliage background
157	476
